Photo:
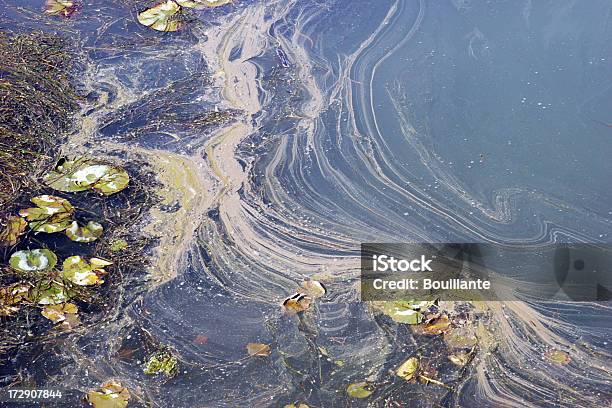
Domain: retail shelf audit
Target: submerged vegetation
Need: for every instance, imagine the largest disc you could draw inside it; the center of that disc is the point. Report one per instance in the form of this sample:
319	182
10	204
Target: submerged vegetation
69	233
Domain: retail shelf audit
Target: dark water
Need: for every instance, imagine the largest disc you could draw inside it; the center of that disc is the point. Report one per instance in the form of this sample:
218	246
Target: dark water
436	121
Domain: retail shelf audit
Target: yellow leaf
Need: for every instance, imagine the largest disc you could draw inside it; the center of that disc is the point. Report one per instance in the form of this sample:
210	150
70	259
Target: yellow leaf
408	368
258	349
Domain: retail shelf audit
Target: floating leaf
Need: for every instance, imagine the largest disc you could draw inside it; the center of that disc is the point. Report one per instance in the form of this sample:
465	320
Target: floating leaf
297	303
359	390
11	295
161	17
15	226
50	293
52	204
558	356
115	180
88	233
437	326
80	272
35	260
459	359
111	395
404	311
57	313
82	174
202	3
52	214
460	338
162	362
313	288
65	8
258	349
408	368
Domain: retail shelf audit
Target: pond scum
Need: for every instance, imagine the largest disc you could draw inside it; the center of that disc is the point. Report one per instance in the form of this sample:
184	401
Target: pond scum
68	261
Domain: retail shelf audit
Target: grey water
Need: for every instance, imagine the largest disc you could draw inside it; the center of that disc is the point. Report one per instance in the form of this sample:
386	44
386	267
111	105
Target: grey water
387	121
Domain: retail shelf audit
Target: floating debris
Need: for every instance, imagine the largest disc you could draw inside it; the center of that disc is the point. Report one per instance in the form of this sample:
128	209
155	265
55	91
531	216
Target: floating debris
83	174
297	303
111	395
80	272
89	233
64	8
35	260
436	326
161	362
359	390
460	358
404	311
50	293
15	227
313	288
558	356
12	295
460	338
57	313
118	245
202	3
258	350
161	17
52	214
200	339
408	369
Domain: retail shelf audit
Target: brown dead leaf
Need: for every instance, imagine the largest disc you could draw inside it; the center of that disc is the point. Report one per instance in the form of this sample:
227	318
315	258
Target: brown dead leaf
297	303
258	350
15	226
200	339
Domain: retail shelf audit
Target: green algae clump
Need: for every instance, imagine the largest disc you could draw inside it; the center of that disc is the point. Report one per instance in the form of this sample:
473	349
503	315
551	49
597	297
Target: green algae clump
161	362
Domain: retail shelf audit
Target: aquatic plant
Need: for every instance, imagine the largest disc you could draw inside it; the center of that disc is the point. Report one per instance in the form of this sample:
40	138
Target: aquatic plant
161	17
83	273
52	214
86	174
35	260
63	8
111	395
15	227
161	362
89	233
359	390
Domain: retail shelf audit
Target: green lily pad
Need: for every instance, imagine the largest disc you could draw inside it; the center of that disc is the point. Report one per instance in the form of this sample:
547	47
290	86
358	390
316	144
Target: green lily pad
83	273
52	214
359	390
161	362
50	293
35	260
111	395
88	233
161	17
80	175
15	226
52	204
